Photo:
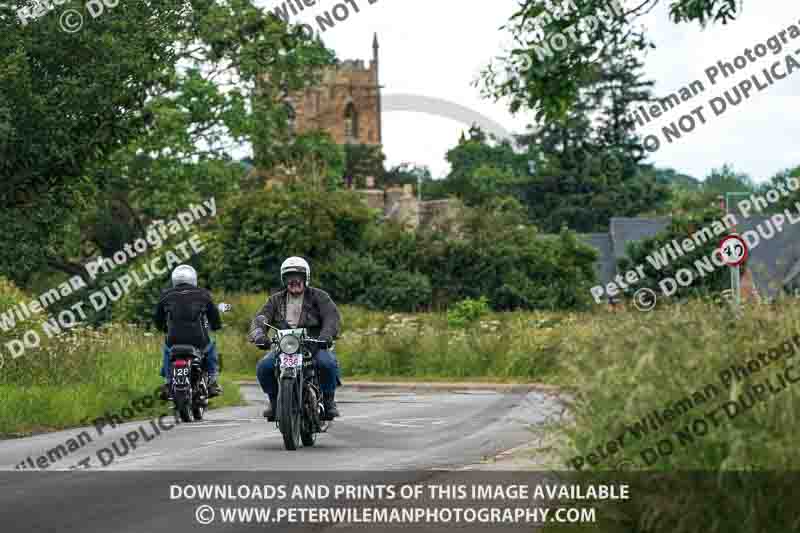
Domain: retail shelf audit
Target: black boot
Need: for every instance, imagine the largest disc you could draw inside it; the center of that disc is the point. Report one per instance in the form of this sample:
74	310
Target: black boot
165	393
214	388
328	402
269	411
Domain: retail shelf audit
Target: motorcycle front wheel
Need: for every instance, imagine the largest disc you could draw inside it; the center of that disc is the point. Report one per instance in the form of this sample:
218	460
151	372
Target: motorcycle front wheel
309	438
289	412
307	434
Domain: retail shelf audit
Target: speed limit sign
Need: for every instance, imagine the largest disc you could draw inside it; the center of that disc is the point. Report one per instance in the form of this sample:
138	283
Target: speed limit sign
733	250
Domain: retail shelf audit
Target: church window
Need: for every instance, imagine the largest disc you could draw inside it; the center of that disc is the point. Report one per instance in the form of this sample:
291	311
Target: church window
350	122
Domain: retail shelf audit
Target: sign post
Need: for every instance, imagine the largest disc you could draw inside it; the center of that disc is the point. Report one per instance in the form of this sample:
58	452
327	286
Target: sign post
733	250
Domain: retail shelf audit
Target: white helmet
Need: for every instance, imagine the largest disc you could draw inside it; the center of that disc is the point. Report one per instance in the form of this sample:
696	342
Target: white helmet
295	264
184	274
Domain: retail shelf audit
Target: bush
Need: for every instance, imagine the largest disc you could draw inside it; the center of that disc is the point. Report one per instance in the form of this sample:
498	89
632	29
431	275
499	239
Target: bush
467	311
498	256
489	252
259	230
680	228
359	278
10	296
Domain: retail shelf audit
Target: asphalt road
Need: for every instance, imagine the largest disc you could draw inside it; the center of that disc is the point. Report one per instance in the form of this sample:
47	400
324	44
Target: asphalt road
378	431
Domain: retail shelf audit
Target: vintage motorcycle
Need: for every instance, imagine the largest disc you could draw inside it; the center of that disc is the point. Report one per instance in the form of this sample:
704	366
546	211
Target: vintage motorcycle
189	383
299	413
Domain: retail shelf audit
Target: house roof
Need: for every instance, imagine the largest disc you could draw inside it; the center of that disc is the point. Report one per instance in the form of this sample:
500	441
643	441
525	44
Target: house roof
605	265
774	262
624	230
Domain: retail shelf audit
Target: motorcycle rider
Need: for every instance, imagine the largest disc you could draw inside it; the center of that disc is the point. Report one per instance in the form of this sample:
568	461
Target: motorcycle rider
185	312
299	306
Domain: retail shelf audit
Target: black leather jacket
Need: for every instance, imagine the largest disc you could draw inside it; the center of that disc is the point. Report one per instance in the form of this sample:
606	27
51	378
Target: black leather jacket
186	312
319	314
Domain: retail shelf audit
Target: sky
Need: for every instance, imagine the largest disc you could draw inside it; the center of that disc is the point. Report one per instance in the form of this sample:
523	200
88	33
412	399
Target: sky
437	49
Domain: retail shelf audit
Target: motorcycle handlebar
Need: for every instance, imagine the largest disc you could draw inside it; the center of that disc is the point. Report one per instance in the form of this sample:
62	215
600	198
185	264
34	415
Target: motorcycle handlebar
309	340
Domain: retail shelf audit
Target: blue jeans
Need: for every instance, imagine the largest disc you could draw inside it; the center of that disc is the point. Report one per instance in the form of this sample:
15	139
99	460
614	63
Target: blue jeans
212	361
329	375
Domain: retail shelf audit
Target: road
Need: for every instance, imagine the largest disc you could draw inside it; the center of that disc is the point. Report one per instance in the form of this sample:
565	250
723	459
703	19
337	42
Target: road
378	431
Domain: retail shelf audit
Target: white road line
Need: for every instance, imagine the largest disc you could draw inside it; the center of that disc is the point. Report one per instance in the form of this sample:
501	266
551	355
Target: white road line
412	422
218	441
191	425
137	457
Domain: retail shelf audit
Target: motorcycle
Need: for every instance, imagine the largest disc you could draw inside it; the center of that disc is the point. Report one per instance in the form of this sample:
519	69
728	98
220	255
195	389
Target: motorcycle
189	383
299	412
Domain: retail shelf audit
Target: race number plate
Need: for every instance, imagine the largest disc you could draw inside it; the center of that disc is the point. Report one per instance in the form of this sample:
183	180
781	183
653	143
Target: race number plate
291	361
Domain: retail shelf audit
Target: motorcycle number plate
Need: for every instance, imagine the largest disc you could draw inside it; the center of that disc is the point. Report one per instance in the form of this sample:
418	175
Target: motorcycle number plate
291	361
180	375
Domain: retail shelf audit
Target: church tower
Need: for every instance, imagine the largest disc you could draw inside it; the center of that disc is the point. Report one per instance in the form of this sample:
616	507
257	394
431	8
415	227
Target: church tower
346	104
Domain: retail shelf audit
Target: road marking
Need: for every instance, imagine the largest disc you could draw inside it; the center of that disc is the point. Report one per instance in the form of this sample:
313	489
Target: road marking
196	425
220	441
412	422
137	457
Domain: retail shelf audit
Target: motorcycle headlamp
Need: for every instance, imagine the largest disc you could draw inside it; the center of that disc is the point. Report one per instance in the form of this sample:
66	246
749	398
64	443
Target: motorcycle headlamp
290	344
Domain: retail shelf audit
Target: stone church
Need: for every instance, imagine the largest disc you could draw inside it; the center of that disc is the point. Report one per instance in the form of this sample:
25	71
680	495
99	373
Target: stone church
347	105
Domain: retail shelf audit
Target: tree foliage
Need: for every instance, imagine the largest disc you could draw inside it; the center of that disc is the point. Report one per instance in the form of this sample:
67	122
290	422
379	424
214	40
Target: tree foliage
681	227
491	252
536	77
132	118
362	161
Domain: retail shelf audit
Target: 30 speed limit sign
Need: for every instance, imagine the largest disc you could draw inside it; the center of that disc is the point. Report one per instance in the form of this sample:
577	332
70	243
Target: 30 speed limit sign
733	250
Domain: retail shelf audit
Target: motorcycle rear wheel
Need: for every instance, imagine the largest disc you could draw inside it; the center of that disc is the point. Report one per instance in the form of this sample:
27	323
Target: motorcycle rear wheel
182	407
289	415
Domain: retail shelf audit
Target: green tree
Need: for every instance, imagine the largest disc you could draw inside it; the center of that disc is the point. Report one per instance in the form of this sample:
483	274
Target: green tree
534	76
726	179
149	113
493	252
259	229
88	93
315	159
361	161
681	227
482	168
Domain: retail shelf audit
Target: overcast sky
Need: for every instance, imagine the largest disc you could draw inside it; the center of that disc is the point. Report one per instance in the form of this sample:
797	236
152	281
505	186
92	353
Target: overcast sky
437	49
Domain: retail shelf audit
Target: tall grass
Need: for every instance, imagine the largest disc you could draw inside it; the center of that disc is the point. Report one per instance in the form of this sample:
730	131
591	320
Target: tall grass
501	346
80	375
623	366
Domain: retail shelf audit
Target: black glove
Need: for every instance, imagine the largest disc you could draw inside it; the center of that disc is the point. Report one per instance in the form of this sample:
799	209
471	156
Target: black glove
325	343
258	338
